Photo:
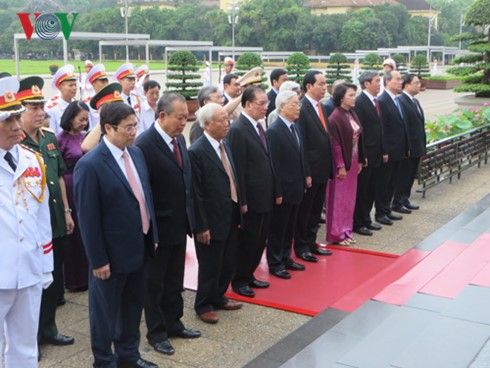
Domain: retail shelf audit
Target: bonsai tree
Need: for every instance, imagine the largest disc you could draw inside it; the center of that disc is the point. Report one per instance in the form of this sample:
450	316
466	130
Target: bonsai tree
372	62
247	61
420	67
477	72
183	65
337	69
298	65
401	65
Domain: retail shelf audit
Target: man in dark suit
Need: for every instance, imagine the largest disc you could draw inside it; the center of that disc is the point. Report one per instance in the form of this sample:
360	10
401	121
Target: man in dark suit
117	223
277	78
314	127
286	149
396	146
368	112
217	213
250	152
329	104
170	178
416	131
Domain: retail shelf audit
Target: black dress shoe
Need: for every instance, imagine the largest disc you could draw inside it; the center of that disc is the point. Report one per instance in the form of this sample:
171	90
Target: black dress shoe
140	363
401	209
282	274
394	216
60	302
164	347
374	226
245	291
384	220
187	333
320	251
58	339
295	266
363	231
308	257
259	284
412	206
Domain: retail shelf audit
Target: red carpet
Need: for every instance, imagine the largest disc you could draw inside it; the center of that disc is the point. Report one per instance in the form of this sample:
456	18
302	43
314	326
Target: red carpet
332	280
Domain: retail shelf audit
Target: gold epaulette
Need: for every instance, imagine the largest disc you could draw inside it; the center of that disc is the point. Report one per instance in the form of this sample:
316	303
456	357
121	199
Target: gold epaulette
29	149
49	130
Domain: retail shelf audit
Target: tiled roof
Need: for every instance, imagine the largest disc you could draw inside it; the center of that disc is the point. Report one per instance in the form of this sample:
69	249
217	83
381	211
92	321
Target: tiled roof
415	4
353	3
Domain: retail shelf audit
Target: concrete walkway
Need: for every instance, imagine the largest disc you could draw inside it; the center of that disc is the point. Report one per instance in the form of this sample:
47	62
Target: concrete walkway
242	335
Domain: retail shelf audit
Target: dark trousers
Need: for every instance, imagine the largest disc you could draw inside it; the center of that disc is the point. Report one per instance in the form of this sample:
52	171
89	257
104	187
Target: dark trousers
164	305
281	235
367	182
404	181
115	307
49	300
216	268
386	187
309	215
251	244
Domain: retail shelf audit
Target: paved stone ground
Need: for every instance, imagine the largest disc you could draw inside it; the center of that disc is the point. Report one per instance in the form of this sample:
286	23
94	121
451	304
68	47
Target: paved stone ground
242	335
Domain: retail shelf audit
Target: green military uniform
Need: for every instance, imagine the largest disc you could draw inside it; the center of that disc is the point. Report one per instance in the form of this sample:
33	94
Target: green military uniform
55	168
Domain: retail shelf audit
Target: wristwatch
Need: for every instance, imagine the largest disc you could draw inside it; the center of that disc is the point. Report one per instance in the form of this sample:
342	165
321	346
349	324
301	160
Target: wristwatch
68	210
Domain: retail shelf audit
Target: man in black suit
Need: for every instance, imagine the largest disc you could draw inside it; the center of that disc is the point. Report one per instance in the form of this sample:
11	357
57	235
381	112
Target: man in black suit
368	112
329	104
250	152
170	178
217	213
416	131
277	77
314	127
117	223
286	149
396	146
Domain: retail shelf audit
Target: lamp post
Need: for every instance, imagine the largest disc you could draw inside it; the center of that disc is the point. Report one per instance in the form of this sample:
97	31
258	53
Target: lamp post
233	19
431	23
126	13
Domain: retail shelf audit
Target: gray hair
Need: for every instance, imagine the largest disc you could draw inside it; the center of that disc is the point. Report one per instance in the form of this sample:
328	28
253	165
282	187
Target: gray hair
337	83
284	97
205	94
366	76
206	113
288	86
166	103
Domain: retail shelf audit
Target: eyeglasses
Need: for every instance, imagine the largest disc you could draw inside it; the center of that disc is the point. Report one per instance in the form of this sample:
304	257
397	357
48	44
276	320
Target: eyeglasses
128	128
262	103
295	105
217	98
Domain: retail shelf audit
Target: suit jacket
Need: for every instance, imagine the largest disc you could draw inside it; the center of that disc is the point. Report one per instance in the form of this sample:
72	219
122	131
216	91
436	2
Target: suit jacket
195	132
317	152
288	160
329	106
108	211
171	185
271	95
372	130
212	196
253	166
395	135
416	126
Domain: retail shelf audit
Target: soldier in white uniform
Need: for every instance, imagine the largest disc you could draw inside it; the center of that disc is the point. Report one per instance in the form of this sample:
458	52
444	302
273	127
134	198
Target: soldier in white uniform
26	258
88	89
98	79
126	77
142	75
64	81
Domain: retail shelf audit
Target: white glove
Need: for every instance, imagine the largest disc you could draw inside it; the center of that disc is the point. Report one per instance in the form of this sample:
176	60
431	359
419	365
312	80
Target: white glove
47	279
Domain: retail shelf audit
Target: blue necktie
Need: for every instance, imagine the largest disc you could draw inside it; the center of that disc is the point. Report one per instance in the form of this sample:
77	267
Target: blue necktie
397	102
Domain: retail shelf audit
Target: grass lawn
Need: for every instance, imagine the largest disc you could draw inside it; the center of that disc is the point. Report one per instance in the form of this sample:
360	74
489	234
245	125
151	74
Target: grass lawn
36	67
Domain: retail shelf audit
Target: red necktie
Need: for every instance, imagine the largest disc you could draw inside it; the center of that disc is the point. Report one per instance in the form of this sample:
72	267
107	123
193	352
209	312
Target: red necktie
377	106
133	183
322	118
262	136
178	156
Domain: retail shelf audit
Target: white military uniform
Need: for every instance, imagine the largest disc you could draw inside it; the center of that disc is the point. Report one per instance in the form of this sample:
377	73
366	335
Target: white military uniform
147	117
135	102
55	107
26	257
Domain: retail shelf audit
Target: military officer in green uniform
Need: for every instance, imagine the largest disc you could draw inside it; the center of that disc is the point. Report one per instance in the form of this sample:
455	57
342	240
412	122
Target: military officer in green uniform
43	140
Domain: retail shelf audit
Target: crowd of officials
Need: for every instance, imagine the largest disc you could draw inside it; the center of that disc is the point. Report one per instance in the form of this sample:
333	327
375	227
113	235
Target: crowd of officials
102	193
